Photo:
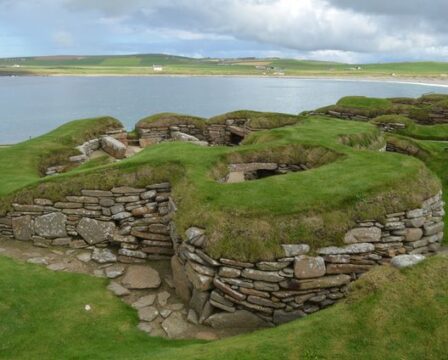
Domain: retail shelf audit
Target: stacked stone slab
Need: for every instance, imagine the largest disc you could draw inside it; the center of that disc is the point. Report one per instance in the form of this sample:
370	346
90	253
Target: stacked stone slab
132	225
135	222
215	134
156	134
221	291
113	142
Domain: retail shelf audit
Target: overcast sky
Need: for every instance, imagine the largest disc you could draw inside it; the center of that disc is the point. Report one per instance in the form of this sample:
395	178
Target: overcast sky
342	30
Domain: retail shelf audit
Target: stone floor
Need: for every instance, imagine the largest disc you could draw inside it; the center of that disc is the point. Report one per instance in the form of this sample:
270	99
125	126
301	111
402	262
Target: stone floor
148	289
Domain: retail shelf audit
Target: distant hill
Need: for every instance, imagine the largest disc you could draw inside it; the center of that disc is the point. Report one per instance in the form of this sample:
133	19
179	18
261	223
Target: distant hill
142	64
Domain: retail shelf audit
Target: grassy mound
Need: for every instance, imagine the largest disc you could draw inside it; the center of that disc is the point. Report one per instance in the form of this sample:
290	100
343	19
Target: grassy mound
170	119
249	221
24	163
389	314
414	130
256	119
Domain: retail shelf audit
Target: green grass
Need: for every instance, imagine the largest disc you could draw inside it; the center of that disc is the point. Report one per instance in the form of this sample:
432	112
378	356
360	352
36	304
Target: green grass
389	314
43	317
250	220
169	119
257	120
24	163
363	102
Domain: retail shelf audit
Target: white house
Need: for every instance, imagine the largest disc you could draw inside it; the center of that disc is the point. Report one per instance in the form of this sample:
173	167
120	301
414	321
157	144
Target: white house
157	68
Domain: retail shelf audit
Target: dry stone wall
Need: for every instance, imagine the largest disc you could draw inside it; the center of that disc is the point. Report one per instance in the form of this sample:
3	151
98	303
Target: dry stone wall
134	225
222	292
232	132
124	224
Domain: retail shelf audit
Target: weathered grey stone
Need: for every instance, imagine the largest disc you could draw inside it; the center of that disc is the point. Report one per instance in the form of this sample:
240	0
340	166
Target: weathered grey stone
403	261
431	229
306	267
127	199
114	271
350	249
266	286
96	193
363	235
67	205
271	266
122	216
23	227
394	225
144	301
416	213
94	231
43	202
228	290
84	257
148	195
241	319
413	234
83	199
117	289
202	269
229	272
61	241
28	208
116	209
113	147
162	298
51	225
103	256
199	281
132	253
268	276
107	202
176	326
282	316
198	300
325	282
415	223
295	249
141	277
148	313
235	263
180	280
195	236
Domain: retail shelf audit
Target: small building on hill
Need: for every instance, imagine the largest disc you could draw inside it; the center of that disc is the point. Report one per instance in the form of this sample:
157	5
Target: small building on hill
157	68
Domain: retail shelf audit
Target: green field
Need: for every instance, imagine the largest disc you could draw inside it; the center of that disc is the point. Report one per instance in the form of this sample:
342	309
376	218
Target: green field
176	65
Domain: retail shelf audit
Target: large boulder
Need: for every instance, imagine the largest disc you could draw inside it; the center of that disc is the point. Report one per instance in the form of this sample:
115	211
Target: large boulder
51	225
94	231
23	228
113	147
141	277
241	319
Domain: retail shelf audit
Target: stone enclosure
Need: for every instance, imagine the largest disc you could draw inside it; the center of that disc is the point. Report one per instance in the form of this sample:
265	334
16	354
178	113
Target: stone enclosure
131	225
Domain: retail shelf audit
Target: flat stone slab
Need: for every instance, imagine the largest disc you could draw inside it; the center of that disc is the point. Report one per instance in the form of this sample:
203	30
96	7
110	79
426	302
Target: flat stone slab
175	325
141	277
94	231
51	225
117	289
148	313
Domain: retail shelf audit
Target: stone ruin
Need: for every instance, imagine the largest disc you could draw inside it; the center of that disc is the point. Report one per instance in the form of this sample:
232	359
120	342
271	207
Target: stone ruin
135	226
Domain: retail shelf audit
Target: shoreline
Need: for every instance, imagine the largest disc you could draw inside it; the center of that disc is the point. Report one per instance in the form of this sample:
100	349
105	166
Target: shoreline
414	80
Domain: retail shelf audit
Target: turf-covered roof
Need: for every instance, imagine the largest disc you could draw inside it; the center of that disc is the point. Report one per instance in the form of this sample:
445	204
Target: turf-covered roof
249	220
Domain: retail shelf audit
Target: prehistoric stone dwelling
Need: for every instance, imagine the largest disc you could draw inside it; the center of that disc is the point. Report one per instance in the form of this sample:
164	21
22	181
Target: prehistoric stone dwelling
135	225
138	224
